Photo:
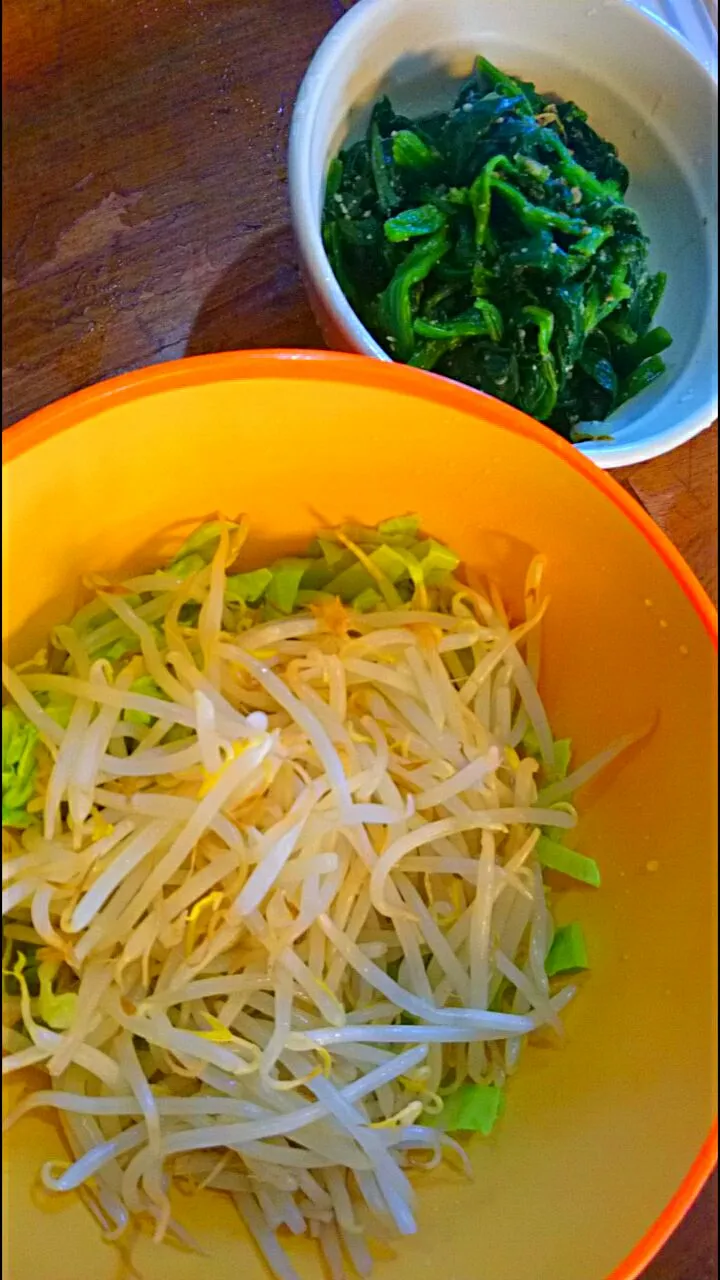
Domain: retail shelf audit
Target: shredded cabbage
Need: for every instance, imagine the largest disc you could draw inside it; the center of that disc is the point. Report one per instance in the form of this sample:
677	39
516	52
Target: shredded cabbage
273	878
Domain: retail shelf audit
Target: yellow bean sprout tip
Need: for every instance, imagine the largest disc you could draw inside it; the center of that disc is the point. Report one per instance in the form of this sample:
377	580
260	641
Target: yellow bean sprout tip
285	1086
211	778
219	1033
211	901
100	826
326	1060
408	1115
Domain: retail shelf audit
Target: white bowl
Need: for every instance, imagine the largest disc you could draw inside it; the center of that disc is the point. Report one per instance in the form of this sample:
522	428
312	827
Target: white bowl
644	89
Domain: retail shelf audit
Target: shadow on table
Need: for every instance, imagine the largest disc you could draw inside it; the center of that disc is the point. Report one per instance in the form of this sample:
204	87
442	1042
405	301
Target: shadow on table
259	301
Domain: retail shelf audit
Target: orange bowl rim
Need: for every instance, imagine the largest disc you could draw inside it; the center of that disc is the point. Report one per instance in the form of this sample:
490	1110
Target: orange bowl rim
193	371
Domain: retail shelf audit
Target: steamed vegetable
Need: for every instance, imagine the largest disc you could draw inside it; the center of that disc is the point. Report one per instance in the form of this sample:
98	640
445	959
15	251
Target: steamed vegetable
568	951
556	857
492	243
19	765
473	1108
274	855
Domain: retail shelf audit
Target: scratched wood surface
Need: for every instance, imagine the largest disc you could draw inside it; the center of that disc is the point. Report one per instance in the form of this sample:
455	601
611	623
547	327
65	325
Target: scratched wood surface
145	217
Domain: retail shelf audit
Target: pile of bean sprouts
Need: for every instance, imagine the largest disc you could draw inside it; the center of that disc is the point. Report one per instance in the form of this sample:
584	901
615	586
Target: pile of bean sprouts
285	905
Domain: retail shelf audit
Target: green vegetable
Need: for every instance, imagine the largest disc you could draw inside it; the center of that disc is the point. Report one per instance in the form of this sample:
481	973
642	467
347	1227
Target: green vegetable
483	318
568	951
578	866
427	354
247	588
24	966
539	388
203	541
35	979
333	552
399	559
286	576
644	376
395	305
334	177
473	1108
381	159
492	244
401	527
118	649
436	561
146	686
58	706
562	753
186	565
412	152
414	222
650	344
352	581
367	600
55	1010
19	767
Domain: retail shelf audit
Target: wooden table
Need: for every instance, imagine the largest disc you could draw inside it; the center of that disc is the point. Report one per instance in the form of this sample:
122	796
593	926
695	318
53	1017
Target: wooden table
145	218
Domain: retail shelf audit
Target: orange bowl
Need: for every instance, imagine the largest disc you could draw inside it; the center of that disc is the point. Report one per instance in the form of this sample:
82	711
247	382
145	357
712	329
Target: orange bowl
606	1142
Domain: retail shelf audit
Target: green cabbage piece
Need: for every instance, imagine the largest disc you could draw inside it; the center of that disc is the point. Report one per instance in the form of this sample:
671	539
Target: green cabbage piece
203	541
286	576
186	565
19	767
555	856
149	689
247	588
436	561
367	600
399	527
473	1108
351	582
55	1010
568	951
58	706
562	753
118	649
334	553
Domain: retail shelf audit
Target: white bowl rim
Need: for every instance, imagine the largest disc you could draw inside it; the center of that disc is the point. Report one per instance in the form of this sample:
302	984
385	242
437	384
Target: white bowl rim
308	234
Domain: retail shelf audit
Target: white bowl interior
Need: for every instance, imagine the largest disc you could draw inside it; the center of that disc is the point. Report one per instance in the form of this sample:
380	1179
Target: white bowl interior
643	89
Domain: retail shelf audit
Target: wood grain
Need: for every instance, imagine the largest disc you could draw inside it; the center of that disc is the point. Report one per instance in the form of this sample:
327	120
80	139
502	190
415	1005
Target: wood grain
680	491
145	217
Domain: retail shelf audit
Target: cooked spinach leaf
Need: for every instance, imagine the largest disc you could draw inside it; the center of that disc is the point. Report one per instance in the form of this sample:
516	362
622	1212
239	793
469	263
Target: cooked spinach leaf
492	243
